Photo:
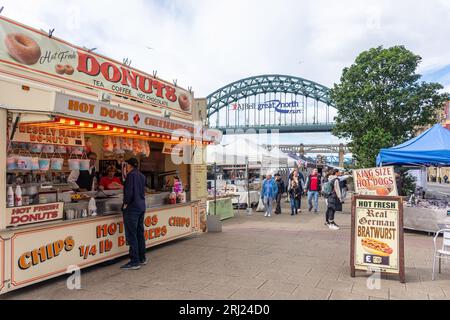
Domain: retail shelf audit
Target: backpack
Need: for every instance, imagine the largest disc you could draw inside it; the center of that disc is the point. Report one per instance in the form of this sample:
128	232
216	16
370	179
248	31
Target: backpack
328	189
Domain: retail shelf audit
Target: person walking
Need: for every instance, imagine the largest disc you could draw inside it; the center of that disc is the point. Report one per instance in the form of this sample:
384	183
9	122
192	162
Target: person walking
295	195
281	189
334	199
300	179
133	214
313	188
268	193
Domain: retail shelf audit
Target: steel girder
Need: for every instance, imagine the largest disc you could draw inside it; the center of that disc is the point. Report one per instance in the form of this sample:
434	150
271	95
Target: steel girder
266	84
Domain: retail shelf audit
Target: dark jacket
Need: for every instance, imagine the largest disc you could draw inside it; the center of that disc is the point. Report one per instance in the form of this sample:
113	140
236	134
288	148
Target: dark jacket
281	187
134	192
295	192
319	183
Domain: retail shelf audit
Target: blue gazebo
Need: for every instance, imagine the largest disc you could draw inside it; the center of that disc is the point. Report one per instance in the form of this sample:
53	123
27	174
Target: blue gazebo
431	148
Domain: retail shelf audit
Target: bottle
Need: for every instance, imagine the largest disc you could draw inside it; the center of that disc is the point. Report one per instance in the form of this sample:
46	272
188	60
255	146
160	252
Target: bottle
18	196
10	198
92	207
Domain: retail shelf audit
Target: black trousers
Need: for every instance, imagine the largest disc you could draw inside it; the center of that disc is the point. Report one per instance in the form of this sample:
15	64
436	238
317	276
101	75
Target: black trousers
134	232
329	215
278	209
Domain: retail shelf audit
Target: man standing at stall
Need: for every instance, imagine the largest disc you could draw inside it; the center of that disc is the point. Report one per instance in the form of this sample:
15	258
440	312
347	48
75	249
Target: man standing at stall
133	215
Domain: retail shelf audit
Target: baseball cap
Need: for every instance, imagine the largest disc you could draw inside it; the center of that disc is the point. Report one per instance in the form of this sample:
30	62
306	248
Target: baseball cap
132	162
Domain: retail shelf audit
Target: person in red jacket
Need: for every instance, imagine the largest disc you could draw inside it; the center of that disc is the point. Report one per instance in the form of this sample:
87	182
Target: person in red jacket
313	188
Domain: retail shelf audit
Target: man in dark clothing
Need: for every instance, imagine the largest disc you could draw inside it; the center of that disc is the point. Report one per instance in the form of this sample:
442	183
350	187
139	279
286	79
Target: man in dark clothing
281	189
133	214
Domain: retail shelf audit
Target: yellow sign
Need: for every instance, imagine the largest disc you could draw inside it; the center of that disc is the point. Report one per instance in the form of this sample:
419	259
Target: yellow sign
377	234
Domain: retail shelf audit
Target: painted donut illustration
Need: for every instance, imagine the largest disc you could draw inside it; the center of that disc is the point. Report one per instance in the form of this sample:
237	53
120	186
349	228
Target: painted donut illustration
60	69
22	48
185	103
69	69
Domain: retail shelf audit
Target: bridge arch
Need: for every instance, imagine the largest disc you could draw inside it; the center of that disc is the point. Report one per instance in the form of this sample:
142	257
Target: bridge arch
240	94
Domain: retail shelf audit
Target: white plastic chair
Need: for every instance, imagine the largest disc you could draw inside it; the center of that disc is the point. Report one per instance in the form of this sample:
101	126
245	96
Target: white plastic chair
444	252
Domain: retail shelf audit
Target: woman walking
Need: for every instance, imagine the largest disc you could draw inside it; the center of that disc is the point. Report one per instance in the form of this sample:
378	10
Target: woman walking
334	199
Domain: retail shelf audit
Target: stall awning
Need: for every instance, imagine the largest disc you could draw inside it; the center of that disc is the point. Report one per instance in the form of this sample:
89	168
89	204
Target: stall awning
99	128
431	148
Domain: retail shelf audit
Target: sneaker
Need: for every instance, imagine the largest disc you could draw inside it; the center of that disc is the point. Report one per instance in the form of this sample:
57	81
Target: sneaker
315	211
269	215
310	208
265	215
327	224
334	226
144	262
130	266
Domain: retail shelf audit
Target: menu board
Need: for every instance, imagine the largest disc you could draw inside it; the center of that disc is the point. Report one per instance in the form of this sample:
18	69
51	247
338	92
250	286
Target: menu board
199	175
377	235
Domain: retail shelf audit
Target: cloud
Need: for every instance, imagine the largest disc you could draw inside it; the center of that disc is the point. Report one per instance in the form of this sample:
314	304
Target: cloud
208	44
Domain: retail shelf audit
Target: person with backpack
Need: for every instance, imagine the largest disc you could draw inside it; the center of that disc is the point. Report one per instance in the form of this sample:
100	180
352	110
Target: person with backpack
281	190
313	188
332	192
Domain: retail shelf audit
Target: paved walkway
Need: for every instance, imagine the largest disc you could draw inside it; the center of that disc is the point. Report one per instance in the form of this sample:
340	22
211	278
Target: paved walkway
281	257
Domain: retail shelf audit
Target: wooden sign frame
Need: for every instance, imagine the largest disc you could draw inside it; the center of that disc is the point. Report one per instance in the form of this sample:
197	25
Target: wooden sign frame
401	248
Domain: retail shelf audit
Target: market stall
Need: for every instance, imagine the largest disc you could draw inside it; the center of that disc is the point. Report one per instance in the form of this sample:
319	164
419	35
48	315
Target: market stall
431	148
68	120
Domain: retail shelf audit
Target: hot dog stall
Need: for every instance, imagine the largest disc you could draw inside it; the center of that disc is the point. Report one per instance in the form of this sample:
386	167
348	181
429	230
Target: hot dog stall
59	104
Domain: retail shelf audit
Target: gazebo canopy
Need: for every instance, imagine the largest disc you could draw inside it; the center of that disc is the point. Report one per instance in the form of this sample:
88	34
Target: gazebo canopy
431	148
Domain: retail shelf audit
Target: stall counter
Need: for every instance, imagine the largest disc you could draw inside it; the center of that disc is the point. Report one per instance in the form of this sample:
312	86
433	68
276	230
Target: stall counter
36	253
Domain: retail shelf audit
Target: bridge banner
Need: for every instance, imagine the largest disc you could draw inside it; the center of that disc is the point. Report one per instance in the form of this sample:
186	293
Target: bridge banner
375	181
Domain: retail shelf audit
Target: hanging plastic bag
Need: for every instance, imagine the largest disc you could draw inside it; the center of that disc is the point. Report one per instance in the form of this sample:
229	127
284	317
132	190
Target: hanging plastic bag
88	146
118	145
127	145
108	145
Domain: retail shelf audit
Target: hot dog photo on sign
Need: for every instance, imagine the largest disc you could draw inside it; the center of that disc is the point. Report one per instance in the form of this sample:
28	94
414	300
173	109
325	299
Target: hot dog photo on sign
375	181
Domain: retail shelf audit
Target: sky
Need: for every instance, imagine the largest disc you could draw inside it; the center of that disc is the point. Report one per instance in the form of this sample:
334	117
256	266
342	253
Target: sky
207	44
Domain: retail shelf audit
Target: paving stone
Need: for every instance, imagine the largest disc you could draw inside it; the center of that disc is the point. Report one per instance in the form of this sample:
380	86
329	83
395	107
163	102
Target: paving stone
400	294
335	285
279	286
219	291
307	293
252	294
305	281
340	295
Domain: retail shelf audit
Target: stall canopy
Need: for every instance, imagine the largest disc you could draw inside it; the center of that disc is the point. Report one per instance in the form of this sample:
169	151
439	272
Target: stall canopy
431	148
237	152
278	154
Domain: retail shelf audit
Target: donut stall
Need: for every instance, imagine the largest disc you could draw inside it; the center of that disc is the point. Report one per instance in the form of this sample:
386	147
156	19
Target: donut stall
69	119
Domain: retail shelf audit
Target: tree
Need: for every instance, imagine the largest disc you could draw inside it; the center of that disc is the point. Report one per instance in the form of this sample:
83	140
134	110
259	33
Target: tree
381	102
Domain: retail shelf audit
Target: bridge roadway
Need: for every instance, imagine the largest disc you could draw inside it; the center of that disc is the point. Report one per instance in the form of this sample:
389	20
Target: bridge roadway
302	128
303	149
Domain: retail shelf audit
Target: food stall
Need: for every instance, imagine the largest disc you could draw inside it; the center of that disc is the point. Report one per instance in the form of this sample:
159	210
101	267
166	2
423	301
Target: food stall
431	148
59	104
